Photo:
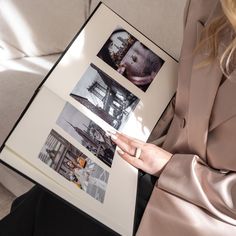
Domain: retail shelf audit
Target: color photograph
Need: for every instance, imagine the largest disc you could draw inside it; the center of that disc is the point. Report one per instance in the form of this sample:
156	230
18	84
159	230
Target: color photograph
73	165
131	58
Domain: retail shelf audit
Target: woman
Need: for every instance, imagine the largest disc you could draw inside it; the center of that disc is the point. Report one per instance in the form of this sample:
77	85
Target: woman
196	190
195	193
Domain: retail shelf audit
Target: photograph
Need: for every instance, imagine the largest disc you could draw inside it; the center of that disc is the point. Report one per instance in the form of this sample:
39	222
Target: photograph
131	58
104	97
73	165
87	133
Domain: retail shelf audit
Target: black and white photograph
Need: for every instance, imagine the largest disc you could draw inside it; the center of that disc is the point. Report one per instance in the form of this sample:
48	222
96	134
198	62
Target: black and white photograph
87	133
104	97
76	167
131	58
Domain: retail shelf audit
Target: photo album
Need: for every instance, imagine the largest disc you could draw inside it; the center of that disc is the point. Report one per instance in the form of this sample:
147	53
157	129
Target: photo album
110	77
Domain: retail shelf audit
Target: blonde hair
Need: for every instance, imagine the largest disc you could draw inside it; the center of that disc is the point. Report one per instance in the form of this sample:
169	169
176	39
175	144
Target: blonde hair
215	31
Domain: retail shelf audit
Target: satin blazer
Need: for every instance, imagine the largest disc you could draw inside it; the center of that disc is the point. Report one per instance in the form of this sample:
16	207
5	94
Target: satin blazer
196	192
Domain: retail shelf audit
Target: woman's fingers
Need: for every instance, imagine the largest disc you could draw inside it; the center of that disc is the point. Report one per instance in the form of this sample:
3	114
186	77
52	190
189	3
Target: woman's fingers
127	144
136	162
146	157
130	149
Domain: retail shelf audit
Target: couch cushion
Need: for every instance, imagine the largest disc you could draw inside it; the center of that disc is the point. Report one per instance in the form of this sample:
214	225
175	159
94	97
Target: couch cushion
18	81
14	182
159	20
40	27
9	52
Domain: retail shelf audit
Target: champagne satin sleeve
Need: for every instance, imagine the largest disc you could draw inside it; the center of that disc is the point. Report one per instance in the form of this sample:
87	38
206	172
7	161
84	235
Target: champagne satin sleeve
189	178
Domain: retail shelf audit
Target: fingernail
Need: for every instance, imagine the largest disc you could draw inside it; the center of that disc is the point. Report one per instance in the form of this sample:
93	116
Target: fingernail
114	137
112	131
121	152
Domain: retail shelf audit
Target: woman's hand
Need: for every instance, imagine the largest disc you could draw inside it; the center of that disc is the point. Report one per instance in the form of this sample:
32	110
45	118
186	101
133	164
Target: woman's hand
145	156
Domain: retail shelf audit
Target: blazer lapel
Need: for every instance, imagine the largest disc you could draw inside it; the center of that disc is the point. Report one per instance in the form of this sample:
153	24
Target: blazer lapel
203	88
225	103
204	85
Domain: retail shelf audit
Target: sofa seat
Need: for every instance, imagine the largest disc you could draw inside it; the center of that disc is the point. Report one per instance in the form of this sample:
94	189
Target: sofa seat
19	78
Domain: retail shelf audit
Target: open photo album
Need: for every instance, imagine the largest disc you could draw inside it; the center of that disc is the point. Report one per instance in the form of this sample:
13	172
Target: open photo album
110	77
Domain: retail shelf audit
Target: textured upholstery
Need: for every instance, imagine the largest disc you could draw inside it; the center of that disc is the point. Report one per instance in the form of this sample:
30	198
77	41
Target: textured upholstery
40	27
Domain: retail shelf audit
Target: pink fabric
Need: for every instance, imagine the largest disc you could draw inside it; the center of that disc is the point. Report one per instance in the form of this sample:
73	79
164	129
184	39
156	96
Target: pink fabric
196	192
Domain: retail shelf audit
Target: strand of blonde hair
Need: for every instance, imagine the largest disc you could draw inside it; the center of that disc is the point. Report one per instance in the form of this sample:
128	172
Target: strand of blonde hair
227	58
211	35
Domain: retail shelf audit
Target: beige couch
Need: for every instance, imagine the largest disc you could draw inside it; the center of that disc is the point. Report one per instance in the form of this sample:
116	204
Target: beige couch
33	34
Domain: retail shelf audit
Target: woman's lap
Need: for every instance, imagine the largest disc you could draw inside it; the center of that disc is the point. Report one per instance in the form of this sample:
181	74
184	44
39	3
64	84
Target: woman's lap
40	213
